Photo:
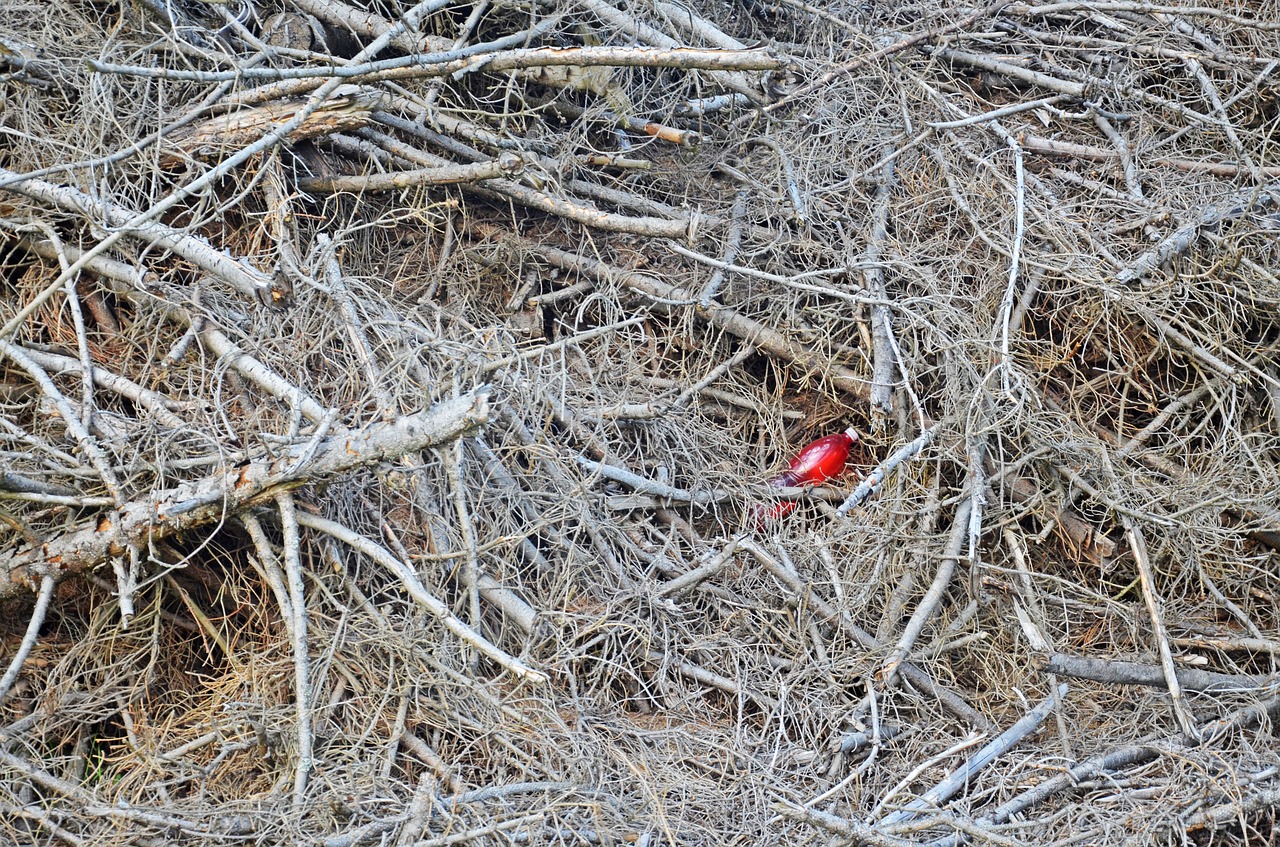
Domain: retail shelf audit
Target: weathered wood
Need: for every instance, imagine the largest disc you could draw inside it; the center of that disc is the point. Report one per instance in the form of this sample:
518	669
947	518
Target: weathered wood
168	512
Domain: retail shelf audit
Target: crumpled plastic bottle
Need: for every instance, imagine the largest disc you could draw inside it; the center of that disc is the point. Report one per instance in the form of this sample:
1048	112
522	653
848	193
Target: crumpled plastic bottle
818	462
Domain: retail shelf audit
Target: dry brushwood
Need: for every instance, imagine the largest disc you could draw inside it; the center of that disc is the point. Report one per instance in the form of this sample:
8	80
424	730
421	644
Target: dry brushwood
389	390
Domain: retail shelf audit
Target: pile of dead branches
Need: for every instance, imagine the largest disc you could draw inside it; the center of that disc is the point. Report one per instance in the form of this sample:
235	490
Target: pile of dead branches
389	395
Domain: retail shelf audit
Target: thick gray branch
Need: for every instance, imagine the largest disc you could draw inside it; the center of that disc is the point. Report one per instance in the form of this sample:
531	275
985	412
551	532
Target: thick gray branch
248	280
170	511
1137	673
1185	236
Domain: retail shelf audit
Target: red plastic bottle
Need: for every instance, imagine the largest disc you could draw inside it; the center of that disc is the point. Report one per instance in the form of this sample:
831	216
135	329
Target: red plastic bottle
816	463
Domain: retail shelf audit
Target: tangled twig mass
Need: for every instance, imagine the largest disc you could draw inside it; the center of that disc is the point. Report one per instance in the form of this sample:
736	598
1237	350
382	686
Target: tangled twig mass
390	391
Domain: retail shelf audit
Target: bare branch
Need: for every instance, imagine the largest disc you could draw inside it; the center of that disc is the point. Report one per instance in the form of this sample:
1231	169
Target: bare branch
244	278
171	511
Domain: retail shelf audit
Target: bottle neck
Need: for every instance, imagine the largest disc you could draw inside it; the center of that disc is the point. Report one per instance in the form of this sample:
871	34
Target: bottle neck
786	479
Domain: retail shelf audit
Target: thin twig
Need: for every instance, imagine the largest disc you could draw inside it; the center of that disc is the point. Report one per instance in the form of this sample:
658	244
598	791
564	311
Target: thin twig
691	578
1129	755
291	545
933	597
884	357
458	63
876	55
261	375
856	831
143	221
241	276
157	404
30	637
962	776
1012	71
914	675
1002	112
732	242
1116	672
508	165
453	457
1053	147
646	486
752	331
876	478
1010	293
1138	545
422	596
